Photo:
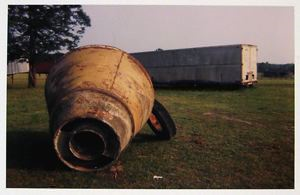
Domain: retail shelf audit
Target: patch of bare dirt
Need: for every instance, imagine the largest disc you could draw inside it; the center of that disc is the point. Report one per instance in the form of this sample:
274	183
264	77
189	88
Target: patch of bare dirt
195	139
229	118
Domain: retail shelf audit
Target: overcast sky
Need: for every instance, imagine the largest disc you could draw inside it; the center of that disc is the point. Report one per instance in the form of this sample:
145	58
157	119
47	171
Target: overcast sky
146	28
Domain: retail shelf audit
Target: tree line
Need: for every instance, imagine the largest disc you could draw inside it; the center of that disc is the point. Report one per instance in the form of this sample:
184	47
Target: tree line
276	70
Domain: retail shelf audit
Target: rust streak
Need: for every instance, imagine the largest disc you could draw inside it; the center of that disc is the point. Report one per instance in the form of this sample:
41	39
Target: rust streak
115	76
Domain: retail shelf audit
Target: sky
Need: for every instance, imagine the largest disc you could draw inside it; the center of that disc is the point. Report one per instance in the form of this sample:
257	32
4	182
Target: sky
147	27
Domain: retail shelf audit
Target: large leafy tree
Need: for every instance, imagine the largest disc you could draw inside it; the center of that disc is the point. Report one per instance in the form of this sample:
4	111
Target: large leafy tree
37	30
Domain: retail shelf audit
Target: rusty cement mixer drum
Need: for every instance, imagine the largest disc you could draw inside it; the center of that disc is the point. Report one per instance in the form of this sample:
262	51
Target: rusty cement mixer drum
98	98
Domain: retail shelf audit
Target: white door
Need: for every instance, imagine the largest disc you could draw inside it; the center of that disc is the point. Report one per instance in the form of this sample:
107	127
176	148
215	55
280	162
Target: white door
249	64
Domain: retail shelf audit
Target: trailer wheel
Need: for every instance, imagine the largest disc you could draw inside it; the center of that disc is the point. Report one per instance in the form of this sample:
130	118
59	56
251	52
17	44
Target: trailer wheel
161	122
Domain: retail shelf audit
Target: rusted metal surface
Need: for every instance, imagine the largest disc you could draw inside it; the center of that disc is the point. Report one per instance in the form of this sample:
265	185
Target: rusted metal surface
155	122
98	98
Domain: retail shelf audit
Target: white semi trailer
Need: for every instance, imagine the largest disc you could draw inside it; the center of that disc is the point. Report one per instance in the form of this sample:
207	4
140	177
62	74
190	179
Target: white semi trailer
230	64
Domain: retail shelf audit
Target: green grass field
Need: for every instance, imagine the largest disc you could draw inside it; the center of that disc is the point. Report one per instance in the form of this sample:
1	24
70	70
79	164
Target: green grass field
226	138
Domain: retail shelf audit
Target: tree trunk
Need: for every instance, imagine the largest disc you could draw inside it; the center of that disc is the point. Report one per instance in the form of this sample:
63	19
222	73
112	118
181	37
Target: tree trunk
31	76
32	52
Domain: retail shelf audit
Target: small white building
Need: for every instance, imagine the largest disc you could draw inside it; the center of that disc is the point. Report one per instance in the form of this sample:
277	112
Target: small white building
16	67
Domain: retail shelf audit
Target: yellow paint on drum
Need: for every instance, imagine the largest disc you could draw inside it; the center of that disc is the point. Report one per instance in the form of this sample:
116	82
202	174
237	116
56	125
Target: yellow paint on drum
102	83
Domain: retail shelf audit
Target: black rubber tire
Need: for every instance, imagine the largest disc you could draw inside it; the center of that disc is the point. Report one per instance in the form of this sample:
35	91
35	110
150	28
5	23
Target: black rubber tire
165	120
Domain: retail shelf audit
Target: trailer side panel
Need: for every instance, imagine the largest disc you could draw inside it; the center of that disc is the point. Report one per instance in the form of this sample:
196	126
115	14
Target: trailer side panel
219	64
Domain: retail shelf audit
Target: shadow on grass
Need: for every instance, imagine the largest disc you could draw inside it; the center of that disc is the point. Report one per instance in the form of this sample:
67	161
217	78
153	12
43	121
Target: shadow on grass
31	150
201	87
145	137
34	150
